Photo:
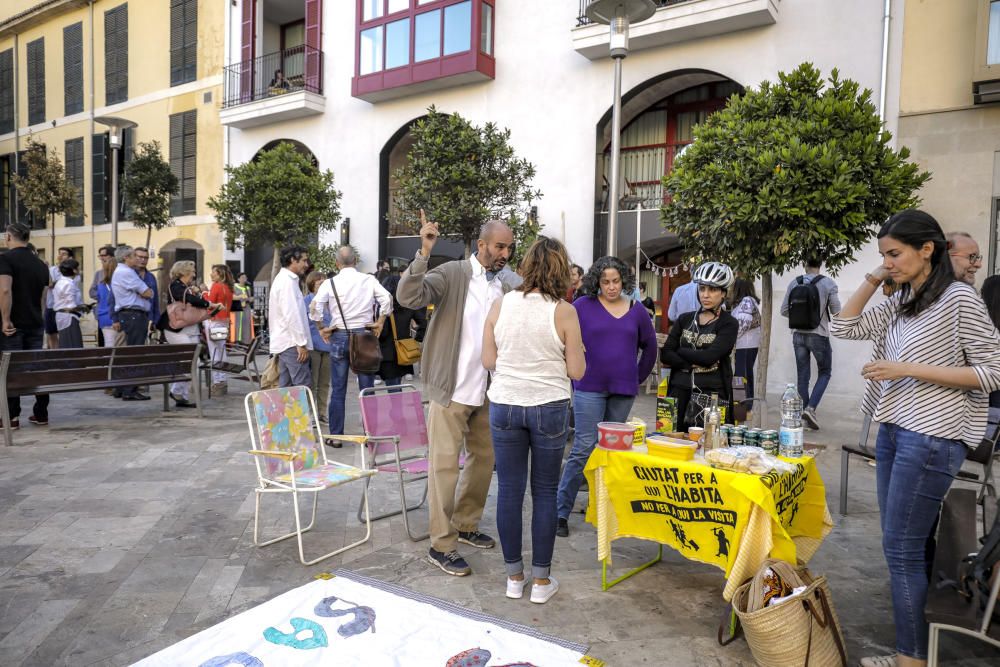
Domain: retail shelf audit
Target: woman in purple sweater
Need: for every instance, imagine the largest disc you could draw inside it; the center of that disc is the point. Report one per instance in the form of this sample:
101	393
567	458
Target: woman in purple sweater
615	331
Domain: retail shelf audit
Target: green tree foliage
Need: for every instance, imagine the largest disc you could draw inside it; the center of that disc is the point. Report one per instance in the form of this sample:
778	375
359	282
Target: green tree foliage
463	176
324	257
790	170
526	230
44	188
281	197
148	186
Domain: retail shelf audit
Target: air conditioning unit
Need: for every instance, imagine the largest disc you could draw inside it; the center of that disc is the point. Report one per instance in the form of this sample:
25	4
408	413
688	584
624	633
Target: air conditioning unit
985	92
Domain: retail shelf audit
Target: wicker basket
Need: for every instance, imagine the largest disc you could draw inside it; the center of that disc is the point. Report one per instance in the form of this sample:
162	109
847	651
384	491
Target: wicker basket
801	632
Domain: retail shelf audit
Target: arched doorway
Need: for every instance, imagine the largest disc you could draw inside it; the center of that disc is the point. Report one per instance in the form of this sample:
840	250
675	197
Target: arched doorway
658	121
178	250
257	258
399	241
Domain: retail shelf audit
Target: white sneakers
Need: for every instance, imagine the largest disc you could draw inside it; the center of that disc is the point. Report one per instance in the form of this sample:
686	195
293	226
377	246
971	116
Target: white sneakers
540	594
515	589
878	661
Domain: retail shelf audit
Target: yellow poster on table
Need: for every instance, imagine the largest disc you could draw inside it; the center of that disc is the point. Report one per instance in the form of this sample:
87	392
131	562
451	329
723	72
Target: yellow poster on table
700	511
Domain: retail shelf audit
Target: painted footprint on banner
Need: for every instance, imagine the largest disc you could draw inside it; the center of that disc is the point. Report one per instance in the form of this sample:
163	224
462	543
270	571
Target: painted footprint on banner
478	657
364	617
316	640
242	659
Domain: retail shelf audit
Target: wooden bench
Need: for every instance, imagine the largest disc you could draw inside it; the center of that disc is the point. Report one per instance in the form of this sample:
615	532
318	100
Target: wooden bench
243	368
31	372
946	609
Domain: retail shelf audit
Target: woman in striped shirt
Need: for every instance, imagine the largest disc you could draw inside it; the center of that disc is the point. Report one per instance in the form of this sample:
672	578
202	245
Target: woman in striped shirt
936	358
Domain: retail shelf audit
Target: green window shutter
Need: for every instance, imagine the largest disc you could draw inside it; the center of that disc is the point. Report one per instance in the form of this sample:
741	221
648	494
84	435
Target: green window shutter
183	41
7	91
36	81
183	161
73	68
74	174
116	55
98	180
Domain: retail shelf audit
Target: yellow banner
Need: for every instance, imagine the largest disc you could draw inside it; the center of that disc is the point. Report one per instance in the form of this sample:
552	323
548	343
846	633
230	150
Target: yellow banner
703	512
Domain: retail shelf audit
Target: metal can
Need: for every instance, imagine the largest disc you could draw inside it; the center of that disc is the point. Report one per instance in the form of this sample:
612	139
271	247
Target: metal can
736	435
725	434
769	441
752	437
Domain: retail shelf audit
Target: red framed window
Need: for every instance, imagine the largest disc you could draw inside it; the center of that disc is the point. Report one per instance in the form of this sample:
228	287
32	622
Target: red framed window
405	46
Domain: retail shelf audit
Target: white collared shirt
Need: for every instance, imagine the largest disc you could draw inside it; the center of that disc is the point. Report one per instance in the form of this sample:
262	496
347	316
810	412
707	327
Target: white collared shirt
358	293
286	313
470	379
65	296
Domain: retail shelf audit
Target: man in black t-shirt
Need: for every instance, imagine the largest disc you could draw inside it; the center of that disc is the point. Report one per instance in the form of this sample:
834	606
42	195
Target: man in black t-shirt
23	279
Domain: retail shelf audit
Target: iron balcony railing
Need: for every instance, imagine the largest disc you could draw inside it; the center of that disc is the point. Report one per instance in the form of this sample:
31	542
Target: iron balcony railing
253	80
581	18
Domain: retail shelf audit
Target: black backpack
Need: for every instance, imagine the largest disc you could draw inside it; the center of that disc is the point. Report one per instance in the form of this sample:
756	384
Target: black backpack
805	309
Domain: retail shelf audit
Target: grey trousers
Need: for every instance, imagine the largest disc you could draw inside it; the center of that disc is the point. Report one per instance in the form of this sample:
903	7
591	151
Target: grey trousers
292	372
71	336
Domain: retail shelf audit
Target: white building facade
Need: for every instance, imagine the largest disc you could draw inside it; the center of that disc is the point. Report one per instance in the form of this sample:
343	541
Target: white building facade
360	72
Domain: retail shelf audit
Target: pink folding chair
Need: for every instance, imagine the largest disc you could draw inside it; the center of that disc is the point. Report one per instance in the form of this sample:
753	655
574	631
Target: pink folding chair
396	441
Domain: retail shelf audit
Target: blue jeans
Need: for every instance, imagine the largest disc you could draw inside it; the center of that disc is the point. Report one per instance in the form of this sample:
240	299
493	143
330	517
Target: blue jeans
913	473
589	408
518	431
818	346
340	367
745	360
26	339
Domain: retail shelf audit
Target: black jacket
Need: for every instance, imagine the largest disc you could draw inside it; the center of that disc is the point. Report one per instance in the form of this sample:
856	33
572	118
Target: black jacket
681	356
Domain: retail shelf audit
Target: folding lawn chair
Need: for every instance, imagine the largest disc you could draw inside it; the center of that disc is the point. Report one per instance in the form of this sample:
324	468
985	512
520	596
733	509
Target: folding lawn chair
287	446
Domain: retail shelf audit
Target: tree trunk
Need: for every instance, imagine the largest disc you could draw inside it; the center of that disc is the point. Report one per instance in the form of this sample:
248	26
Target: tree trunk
468	248
760	375
275	263
52	230
149	234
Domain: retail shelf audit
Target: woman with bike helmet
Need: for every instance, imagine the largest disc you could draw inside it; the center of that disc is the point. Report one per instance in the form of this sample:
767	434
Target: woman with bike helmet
699	347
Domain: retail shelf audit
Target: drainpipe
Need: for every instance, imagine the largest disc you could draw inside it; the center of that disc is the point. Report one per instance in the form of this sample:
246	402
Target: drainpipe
17	115
885	59
93	223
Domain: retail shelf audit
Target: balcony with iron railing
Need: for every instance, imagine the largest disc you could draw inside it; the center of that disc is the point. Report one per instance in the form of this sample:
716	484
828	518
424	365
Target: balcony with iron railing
676	21
274	87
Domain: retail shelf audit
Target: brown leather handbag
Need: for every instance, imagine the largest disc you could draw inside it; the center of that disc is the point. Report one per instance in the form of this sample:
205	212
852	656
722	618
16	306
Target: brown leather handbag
363	351
407	349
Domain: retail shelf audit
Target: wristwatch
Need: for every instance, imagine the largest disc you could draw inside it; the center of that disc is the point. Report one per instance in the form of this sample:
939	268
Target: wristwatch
872	279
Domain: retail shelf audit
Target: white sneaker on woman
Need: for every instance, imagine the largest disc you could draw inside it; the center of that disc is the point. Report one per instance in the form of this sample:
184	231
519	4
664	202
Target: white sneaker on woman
878	661
540	593
515	589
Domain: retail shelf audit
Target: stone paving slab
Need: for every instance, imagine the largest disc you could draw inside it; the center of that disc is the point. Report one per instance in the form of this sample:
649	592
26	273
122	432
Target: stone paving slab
124	529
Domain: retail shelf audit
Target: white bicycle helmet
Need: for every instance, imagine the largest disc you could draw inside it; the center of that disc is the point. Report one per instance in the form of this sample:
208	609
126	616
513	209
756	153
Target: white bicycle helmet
714	274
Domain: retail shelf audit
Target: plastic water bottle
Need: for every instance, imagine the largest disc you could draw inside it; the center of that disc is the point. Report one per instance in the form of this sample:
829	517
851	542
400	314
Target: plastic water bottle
790	434
713	420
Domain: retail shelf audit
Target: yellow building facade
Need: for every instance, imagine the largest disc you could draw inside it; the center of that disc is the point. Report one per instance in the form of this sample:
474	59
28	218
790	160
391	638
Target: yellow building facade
157	63
949	112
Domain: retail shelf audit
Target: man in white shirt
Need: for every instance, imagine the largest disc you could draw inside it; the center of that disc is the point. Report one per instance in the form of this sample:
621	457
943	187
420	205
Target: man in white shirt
462	292
287	321
351	310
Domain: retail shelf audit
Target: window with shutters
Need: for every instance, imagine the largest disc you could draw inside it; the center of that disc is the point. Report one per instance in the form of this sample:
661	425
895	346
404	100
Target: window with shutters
36	81
6	91
73	68
6	185
98	180
183	160
116	55
183	41
74	174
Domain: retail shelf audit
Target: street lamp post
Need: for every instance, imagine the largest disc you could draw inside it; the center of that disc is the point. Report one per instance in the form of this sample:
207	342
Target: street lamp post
117	126
617	14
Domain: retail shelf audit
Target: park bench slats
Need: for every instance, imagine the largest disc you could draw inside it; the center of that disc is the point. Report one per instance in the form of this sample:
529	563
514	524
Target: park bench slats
26	373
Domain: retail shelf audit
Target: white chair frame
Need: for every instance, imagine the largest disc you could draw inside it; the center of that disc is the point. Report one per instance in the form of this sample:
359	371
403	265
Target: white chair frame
267	485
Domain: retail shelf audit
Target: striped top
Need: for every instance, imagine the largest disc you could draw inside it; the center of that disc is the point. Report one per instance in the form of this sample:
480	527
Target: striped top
955	331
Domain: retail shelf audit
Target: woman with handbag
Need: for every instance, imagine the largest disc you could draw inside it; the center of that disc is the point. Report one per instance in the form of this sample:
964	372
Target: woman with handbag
616	331
935	359
699	347
743	303
187	308
319	355
395	337
106	307
217	328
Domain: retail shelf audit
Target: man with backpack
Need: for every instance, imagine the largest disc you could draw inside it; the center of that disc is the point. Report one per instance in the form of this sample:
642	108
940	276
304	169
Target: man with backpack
809	302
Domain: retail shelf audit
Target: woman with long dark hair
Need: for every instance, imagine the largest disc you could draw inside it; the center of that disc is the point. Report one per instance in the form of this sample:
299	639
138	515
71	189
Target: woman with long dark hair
221	292
532	343
616	330
936	357
744	305
700	345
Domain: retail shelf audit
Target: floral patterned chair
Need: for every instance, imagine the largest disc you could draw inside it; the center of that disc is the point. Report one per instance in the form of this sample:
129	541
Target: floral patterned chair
290	458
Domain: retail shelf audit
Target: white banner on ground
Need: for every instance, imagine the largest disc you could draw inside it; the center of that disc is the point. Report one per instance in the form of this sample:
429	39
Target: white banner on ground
350	620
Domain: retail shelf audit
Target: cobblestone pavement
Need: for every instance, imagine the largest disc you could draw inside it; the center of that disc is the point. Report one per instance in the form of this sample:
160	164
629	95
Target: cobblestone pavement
124	530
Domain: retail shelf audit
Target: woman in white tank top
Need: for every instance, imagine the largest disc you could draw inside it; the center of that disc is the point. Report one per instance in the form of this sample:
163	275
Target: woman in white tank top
532	344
